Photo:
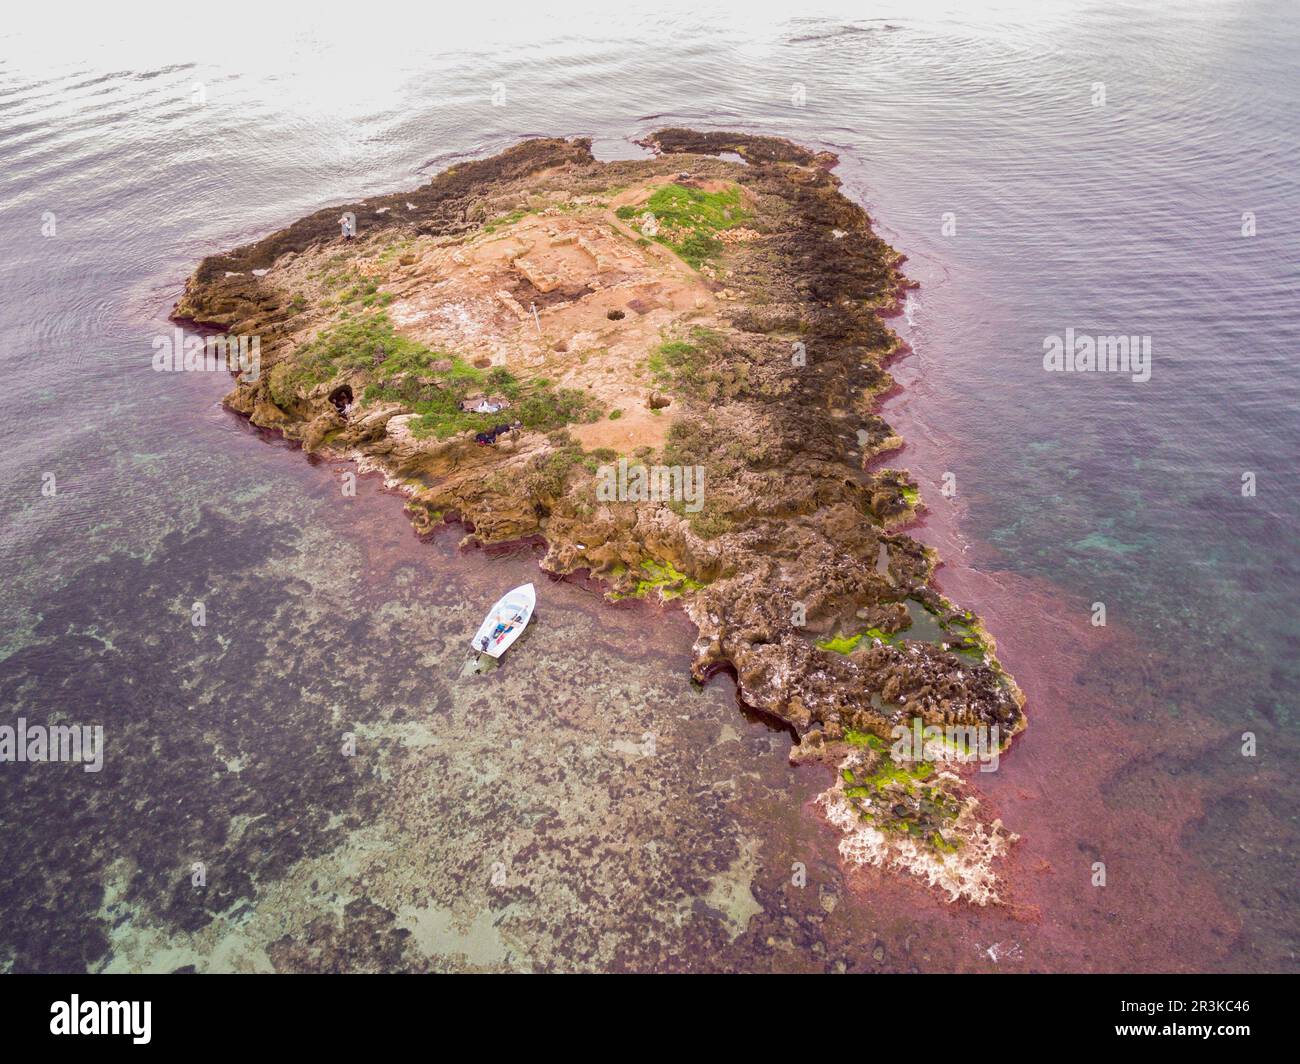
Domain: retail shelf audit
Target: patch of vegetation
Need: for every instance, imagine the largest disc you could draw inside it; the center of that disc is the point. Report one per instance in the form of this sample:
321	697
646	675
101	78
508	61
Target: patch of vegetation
709	524
284	382
504	221
682	361
363	342
548	475
689	219
362	290
396	248
426	382
544	407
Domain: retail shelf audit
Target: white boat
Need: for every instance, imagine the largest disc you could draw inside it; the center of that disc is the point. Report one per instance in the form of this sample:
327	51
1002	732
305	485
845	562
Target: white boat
506	621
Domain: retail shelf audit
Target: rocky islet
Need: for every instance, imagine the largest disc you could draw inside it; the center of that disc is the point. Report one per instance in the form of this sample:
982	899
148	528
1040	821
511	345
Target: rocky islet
680	311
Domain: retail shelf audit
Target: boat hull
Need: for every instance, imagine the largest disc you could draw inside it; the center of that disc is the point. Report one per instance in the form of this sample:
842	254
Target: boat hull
506	621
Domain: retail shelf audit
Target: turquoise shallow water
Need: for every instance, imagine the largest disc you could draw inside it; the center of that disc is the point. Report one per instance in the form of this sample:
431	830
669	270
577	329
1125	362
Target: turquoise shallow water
128	154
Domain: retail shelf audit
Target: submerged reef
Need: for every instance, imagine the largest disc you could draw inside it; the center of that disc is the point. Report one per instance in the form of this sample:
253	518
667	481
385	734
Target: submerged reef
503	339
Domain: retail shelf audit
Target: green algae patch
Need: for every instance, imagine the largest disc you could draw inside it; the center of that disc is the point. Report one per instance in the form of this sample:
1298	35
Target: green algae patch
662	577
925	624
943	845
967	638
859	738
902	798
846	644
688	220
840	644
891	772
949	741
895	497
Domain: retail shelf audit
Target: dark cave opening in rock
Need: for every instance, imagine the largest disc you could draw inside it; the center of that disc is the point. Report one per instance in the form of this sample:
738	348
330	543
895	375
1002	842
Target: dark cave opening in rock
341	397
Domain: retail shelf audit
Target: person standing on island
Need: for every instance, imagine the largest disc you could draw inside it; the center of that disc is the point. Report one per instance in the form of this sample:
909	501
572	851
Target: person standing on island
348	223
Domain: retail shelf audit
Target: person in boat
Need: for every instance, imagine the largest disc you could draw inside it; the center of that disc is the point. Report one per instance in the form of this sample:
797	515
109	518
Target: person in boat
506	621
504	624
